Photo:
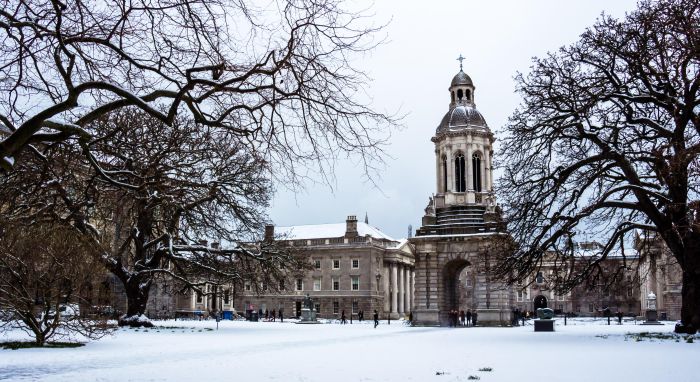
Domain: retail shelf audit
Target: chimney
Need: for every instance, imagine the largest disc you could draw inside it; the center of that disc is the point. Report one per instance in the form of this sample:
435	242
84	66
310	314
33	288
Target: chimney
269	232
351	226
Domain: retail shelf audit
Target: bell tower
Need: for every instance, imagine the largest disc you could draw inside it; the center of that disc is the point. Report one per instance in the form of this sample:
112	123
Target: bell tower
463	165
462	230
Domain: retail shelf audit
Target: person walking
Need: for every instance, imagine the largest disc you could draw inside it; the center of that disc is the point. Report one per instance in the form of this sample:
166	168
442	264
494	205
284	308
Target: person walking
461	317
281	316
474	315
376	318
273	315
342	317
469	317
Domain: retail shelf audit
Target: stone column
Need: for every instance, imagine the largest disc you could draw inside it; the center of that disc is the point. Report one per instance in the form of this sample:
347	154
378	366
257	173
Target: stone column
407	299
394	288
402	284
469	173
486	169
438	173
387	297
450	170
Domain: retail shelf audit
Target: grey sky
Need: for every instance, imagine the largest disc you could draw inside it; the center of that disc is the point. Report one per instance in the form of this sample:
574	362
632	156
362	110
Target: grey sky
412	73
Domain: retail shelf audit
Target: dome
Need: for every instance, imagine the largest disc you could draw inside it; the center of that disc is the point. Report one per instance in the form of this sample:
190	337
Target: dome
461	78
462	117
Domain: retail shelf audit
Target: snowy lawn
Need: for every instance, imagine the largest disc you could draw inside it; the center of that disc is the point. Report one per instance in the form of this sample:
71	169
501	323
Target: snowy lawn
584	350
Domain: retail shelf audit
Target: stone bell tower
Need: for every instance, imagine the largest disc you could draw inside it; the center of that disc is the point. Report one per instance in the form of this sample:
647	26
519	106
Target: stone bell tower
456	243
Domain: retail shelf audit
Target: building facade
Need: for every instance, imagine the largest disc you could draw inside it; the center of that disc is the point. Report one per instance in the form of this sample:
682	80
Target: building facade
354	267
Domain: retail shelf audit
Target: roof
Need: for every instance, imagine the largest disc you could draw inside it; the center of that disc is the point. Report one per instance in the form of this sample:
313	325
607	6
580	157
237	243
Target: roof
461	78
324	231
462	117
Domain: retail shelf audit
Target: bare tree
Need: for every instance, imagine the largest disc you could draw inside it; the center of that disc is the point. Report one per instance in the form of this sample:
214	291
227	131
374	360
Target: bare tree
44	273
605	142
145	194
281	79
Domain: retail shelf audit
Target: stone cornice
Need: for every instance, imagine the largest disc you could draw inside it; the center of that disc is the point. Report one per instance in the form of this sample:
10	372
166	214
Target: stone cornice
463	132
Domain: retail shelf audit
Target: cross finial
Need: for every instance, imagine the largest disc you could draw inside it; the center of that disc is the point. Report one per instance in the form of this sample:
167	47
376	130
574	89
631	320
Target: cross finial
460	59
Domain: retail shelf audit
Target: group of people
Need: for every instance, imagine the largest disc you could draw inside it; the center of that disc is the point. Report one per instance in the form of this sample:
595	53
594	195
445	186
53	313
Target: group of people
360	317
271	315
460	318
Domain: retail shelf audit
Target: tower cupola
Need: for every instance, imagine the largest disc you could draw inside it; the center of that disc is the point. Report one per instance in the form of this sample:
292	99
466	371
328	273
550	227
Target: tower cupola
461	88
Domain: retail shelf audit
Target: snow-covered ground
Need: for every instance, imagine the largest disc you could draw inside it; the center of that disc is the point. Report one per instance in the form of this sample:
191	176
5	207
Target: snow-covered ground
584	350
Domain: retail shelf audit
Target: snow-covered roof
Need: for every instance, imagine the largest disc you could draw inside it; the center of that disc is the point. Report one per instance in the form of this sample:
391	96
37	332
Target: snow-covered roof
594	249
324	231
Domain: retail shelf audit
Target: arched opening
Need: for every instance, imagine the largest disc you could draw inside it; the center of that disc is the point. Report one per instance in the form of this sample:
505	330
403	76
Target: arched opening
469	95
460	94
444	173
539	302
460	183
476	172
452	296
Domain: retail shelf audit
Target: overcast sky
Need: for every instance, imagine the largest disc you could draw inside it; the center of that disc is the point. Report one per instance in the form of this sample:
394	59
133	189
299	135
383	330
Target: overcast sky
411	74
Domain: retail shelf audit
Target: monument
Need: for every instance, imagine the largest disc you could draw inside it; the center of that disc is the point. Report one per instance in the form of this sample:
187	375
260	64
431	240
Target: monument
544	321
308	311
652	316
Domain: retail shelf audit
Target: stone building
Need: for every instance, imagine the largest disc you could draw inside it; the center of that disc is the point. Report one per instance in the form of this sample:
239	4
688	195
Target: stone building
660	273
354	267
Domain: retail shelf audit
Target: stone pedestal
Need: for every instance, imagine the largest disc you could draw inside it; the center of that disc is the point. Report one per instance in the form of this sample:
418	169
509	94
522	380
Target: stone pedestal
652	318
492	317
308	316
544	325
426	317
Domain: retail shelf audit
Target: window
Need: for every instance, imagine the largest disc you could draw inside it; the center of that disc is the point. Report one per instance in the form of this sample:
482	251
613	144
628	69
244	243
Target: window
355	283
336	264
336	284
460	94
227	294
355	263
539	278
521	295
469	95
317	306
355	306
590	307
247	286
281	284
200	298
460	183
629	292
444	173
300	284
317	264
317	284
264	286
336	307
476	172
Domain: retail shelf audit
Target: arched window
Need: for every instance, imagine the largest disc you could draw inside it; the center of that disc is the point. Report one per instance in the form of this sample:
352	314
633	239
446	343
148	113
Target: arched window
460	94
476	172
469	95
460	183
444	173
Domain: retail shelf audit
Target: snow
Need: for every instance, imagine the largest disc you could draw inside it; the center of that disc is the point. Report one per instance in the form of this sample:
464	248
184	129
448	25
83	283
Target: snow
584	350
324	231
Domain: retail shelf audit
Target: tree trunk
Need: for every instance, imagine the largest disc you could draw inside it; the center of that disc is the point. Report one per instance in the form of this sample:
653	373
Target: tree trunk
690	306
136	299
